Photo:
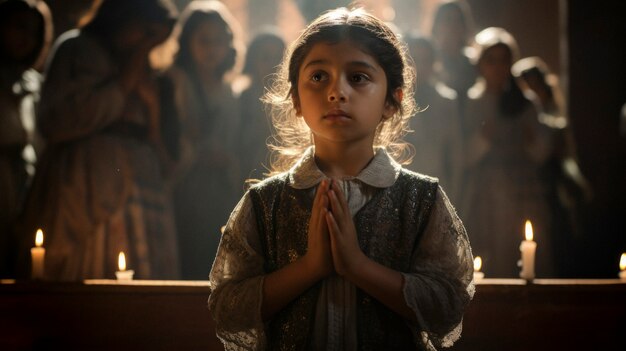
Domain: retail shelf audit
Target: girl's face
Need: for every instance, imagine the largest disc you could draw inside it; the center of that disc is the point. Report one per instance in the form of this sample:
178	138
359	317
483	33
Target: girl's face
495	67
209	45
341	93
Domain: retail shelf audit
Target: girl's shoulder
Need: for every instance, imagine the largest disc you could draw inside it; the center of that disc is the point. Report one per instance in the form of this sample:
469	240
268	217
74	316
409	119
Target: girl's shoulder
408	175
416	185
271	183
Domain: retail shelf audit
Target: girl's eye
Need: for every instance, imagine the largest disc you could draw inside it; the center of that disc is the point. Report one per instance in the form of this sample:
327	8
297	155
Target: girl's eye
359	78
318	77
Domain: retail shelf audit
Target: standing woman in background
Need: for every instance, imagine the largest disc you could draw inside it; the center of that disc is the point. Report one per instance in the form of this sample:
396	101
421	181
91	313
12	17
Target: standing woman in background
451	34
436	129
506	147
206	183
263	56
99	189
25	34
568	189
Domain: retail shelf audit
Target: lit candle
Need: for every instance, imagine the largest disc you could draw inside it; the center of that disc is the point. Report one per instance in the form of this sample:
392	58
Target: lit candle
123	274
37	255
528	248
622	267
478	263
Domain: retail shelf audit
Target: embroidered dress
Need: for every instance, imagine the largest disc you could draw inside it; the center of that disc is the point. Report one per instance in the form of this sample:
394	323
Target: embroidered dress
403	221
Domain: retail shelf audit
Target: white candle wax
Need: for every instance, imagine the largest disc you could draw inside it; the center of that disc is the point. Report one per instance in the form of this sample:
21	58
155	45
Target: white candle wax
124	275
528	248
622	275
37	255
478	264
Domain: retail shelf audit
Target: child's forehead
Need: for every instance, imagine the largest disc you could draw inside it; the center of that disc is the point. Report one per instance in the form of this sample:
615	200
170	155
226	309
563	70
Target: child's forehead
343	48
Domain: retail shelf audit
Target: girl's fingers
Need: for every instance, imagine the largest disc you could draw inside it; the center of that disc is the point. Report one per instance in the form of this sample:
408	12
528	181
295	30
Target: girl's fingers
335	205
319	195
333	227
341	197
321	219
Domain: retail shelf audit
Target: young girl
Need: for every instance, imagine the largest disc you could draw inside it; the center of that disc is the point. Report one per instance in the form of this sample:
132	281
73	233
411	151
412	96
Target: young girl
342	248
506	148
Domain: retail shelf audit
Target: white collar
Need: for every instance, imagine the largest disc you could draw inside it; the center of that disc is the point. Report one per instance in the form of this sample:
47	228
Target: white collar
381	172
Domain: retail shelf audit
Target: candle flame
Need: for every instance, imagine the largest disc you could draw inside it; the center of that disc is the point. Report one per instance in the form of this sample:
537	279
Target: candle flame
622	262
39	238
478	263
529	230
121	261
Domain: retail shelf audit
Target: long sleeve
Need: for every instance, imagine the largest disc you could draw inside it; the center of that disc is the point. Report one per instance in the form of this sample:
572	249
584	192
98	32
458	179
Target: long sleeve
440	285
236	282
81	93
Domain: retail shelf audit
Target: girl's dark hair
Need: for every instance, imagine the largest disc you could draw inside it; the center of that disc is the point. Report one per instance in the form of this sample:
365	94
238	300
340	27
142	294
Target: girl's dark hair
10	8
372	36
512	100
196	13
114	15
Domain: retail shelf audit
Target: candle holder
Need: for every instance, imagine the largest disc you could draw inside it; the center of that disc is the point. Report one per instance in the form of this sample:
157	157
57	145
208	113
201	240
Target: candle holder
125	275
478	276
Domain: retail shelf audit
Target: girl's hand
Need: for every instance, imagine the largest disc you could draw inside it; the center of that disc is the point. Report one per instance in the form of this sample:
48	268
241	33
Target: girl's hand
318	256
346	253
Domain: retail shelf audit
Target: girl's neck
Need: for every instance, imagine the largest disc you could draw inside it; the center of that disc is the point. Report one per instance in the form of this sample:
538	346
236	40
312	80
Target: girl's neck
339	161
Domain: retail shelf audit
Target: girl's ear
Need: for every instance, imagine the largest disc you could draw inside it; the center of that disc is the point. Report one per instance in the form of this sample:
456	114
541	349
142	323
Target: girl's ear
391	109
296	105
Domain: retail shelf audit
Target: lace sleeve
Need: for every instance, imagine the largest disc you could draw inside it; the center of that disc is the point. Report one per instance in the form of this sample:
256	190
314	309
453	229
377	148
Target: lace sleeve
236	282
440	285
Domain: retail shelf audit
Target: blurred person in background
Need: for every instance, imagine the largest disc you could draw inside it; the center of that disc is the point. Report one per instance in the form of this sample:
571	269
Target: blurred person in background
568	189
99	188
452	35
206	183
506	149
25	35
262	57
436	129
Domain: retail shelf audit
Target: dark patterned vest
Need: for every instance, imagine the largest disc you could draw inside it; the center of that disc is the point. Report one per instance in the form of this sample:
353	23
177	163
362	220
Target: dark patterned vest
389	227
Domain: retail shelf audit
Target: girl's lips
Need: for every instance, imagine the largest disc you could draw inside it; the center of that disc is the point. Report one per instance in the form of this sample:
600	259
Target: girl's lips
337	115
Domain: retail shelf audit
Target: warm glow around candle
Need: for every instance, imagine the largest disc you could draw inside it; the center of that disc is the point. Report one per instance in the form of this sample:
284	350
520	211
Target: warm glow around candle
39	238
121	261
529	231
622	262
478	263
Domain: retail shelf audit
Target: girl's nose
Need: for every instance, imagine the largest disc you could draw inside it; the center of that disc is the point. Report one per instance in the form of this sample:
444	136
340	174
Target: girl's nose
337	92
